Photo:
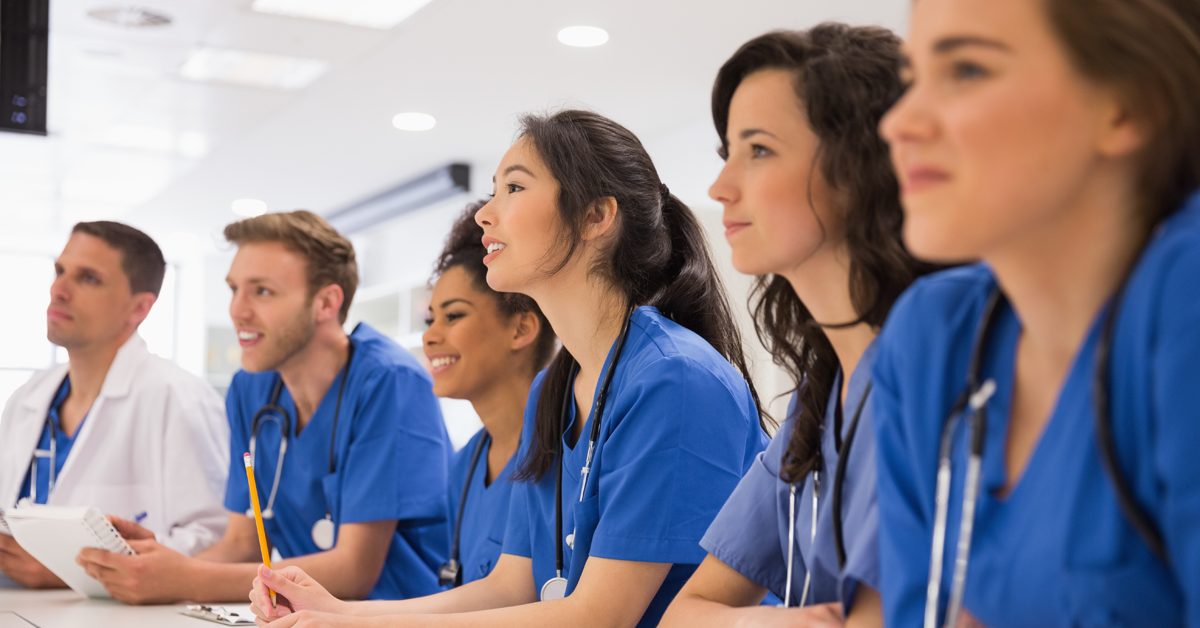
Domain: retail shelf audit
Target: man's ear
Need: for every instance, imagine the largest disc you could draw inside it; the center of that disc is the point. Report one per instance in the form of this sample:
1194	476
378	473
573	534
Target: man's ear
142	302
526	327
327	302
600	218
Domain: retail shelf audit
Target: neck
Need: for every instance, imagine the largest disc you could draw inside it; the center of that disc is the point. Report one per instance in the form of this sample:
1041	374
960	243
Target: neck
502	411
309	373
586	314
88	367
822	283
1058	276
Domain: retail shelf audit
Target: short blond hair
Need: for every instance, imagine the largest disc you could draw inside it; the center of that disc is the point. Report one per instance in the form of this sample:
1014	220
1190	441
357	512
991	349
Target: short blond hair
329	256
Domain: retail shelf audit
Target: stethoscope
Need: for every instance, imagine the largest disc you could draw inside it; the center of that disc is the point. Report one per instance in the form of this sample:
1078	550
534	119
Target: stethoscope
38	454
450	573
839	479
556	587
974	401
323	529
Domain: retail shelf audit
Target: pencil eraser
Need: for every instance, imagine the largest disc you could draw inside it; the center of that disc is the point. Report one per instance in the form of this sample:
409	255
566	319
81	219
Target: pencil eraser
246	459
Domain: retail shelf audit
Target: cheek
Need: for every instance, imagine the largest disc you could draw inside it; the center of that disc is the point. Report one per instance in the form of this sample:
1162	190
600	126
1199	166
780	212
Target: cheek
785	228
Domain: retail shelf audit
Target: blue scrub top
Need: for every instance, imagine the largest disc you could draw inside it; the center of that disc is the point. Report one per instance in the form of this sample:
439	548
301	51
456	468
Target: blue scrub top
679	431
62	447
391	453
486	511
1056	551
751	532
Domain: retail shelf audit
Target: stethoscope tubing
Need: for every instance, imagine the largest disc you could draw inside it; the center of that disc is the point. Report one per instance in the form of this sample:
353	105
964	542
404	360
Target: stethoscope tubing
453	563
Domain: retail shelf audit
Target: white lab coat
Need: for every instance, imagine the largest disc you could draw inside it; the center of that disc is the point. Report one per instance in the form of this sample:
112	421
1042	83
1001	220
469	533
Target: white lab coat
155	441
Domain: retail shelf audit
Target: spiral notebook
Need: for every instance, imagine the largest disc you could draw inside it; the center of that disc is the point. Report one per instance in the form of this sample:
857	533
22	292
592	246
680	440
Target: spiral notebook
54	535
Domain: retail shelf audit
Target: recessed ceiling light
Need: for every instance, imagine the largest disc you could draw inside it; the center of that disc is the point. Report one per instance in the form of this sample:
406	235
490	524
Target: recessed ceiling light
254	69
583	36
249	207
413	121
381	14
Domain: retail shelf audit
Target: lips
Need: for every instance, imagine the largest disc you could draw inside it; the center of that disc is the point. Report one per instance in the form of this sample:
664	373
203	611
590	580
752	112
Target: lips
920	178
494	248
440	363
56	314
248	338
734	226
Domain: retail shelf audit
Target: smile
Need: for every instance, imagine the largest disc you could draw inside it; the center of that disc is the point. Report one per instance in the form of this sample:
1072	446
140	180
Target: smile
496	246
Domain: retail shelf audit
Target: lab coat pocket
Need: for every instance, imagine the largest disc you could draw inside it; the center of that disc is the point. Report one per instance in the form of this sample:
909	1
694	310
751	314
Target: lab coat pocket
1134	592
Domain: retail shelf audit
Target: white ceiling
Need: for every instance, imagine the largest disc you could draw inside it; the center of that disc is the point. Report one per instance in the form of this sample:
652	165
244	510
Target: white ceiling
473	64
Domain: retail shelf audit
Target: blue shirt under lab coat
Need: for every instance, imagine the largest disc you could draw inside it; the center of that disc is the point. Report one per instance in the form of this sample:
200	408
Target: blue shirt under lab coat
1056	551
679	431
391	453
62	446
486	513
751	532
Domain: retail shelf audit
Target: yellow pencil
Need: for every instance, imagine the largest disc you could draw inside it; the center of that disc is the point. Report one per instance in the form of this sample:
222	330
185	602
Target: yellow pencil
262	534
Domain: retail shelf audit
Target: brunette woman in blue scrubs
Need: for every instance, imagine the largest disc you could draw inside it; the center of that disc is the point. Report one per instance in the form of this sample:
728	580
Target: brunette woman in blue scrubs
485	347
581	223
1059	142
811	207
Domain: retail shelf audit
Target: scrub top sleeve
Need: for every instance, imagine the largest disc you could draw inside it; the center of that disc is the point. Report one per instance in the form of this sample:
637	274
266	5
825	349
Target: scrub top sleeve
904	543
1177	396
747	534
397	463
237	490
517	533
670	462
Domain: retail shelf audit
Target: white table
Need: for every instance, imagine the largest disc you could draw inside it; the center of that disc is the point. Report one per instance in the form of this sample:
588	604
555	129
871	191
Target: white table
66	609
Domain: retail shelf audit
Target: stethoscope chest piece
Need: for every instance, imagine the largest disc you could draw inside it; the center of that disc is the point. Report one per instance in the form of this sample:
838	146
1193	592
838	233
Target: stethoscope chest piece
554	589
322	533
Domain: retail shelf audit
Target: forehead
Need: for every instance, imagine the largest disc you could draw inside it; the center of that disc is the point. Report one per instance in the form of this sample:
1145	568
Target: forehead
523	153
766	99
88	250
455	283
268	260
1007	21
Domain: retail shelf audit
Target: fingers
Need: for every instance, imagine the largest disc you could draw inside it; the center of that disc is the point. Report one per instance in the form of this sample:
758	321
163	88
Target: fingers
101	558
284	581
130	530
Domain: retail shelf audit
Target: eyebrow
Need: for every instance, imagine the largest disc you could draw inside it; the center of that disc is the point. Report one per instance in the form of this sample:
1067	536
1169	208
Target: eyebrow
950	44
519	167
749	133
449	302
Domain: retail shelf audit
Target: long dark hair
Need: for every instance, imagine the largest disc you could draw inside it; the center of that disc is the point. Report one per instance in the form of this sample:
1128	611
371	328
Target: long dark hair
658	256
846	78
462	250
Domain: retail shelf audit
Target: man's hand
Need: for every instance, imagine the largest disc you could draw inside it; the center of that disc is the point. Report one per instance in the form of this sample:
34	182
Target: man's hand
24	569
157	575
129	530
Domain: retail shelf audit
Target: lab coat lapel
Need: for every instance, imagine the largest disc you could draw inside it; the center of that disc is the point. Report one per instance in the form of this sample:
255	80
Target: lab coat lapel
29	418
117	384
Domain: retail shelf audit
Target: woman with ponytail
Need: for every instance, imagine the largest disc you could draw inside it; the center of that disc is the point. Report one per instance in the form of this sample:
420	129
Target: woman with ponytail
641	427
811	207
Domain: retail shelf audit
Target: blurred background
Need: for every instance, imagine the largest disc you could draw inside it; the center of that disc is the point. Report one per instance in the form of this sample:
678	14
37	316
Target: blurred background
386	116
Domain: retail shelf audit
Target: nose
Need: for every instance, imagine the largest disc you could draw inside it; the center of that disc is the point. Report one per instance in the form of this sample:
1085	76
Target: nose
909	120
486	216
724	190
433	335
239	311
60	290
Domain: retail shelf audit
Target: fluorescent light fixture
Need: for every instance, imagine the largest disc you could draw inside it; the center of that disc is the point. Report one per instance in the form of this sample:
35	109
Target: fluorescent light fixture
254	69
409	196
249	207
583	36
381	14
413	121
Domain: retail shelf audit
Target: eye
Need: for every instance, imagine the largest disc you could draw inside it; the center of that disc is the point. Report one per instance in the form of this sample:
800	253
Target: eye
453	316
967	71
723	152
91	279
262	292
429	321
513	188
758	150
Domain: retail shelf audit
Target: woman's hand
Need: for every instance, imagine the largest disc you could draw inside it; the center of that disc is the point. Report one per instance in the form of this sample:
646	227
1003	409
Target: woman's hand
815	616
296	592
312	619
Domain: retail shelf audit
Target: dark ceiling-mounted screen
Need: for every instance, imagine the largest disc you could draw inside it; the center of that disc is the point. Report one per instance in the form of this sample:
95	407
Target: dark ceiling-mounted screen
24	32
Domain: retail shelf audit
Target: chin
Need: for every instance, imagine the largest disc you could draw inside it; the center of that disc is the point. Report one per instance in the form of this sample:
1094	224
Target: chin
934	241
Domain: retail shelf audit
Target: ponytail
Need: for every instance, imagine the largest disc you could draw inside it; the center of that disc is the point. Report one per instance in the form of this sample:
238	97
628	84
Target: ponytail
659	256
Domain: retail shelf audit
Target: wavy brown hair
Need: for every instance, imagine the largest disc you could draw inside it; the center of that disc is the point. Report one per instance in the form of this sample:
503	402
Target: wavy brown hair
464	249
846	78
658	257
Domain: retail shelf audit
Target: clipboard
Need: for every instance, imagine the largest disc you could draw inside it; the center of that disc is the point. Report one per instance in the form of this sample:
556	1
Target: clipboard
224	615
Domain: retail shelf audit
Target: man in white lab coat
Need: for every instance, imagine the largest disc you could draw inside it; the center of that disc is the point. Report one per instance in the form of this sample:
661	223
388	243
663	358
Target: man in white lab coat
132	434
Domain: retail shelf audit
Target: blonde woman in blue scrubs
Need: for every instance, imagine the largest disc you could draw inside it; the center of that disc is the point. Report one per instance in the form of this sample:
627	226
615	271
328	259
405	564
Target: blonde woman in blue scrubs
1059	142
811	207
485	347
643	396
